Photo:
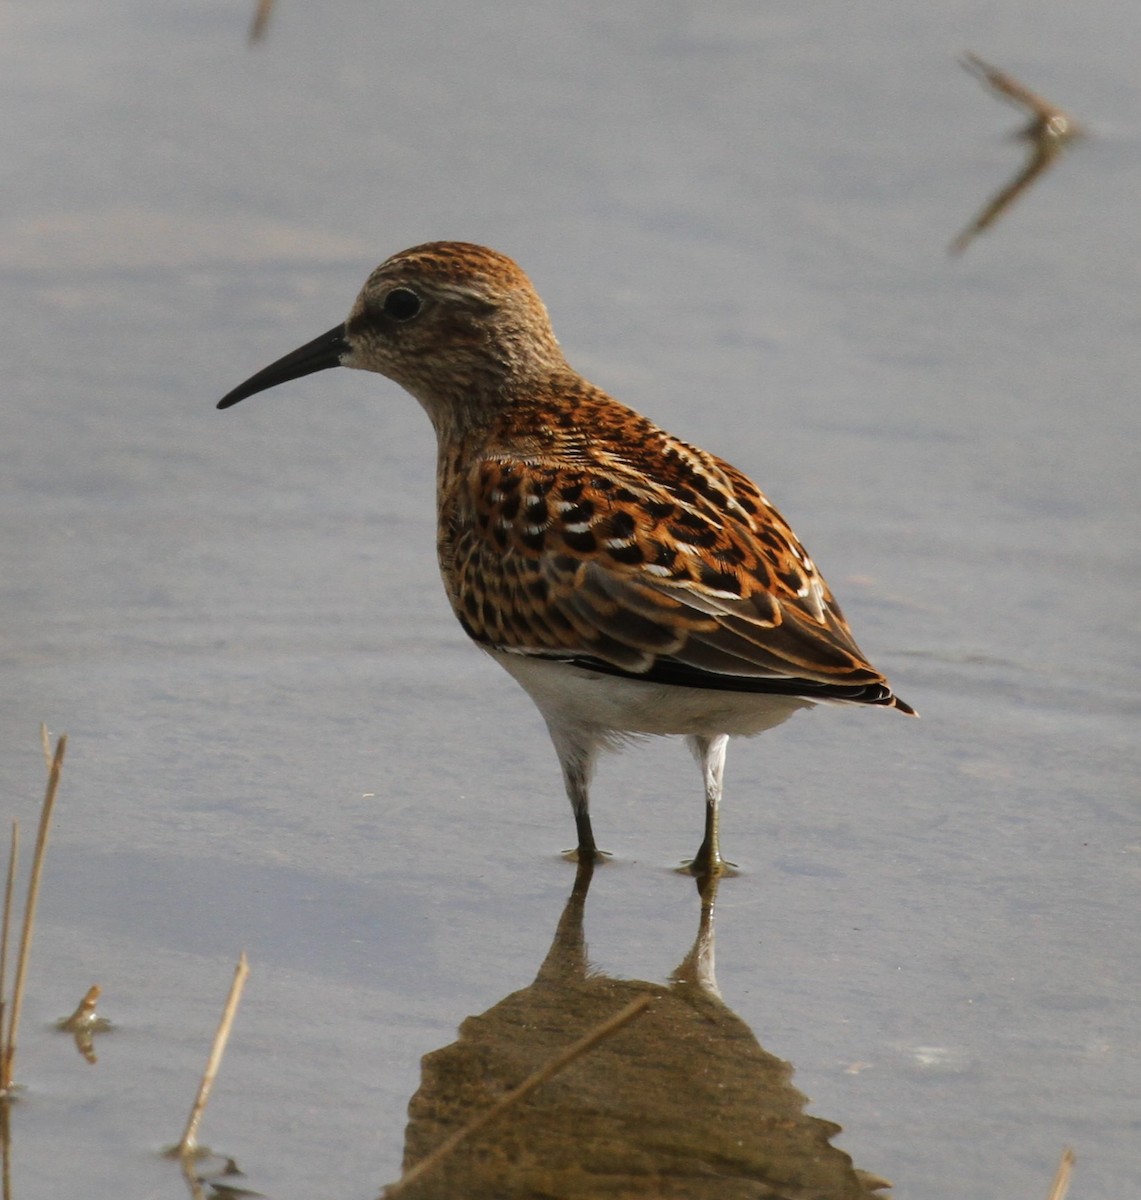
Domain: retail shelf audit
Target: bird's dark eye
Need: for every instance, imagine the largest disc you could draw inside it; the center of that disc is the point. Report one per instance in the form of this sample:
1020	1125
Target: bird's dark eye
402	304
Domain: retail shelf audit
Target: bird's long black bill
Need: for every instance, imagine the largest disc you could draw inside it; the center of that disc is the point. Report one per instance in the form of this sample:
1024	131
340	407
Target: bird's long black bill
318	355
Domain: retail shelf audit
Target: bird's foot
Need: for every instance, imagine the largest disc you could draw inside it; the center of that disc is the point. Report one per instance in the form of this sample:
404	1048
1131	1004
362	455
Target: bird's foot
586	854
706	866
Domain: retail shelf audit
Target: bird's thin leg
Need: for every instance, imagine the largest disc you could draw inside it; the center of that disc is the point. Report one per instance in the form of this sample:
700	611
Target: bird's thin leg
710	754
586	848
576	757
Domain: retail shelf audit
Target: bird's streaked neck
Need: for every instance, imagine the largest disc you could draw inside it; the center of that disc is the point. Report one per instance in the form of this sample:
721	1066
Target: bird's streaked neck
467	396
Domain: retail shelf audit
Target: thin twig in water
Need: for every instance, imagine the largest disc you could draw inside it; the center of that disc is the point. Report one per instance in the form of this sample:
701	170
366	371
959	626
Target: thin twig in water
30	912
1049	131
1061	1184
260	22
5	1147
5	928
552	1068
189	1143
190	1174
85	1023
84	1016
5	1100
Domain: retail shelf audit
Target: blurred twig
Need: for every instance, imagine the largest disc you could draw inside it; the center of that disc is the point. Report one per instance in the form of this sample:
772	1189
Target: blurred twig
1061	1184
85	1023
1048	132
6	1147
5	928
261	21
8	1055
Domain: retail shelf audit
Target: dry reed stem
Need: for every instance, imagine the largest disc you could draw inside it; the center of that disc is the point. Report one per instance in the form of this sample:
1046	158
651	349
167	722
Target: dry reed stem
189	1142
193	1182
552	1068
5	1143
5	927
30	912
5	1147
1061	1184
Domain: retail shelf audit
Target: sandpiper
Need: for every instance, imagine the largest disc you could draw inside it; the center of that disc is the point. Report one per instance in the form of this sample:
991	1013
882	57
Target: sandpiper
631	583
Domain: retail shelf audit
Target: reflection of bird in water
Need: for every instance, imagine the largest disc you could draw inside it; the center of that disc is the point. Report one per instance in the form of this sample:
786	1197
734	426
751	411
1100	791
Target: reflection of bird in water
1048	132
681	1102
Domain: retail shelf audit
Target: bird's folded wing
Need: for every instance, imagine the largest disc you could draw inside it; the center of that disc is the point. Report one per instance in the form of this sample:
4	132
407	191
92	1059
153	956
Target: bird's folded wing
707	589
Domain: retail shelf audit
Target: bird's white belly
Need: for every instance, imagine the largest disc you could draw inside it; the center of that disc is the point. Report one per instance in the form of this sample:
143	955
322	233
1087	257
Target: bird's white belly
567	695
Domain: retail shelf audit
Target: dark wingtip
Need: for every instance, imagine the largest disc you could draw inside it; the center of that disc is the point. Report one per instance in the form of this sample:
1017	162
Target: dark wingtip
318	355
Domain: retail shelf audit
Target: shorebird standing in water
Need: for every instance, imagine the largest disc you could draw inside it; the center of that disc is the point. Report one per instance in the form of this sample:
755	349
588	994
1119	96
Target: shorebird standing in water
631	583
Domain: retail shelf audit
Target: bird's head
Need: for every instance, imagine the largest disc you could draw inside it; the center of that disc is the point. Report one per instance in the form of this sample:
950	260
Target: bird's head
457	325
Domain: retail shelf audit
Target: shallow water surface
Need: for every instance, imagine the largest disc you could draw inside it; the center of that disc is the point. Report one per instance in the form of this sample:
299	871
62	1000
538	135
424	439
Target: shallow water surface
280	740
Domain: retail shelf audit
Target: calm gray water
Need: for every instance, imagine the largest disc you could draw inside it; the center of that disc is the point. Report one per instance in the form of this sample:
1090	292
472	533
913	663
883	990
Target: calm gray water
279	739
